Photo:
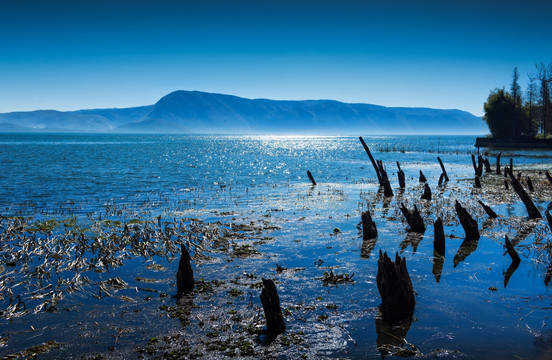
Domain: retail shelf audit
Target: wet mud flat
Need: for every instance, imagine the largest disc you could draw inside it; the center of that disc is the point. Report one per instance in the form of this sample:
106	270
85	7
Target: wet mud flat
100	281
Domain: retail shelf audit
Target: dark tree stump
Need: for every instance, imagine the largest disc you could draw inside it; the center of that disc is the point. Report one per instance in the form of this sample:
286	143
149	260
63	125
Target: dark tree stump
441	178
414	219
311	178
529	205
443	168
506	185
427	193
488	210
511	251
439	237
477	182
395	288
511	164
369	230
185	274
475	166
548	177
498	163
271	305
530	184
479	165
487	165
401	177
371	159
467	222
387	191
422	177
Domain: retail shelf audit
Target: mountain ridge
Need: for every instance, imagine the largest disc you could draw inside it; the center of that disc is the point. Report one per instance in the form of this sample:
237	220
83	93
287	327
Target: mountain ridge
196	112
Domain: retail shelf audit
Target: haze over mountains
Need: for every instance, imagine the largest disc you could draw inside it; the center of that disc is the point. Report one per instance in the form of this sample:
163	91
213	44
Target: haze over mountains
195	112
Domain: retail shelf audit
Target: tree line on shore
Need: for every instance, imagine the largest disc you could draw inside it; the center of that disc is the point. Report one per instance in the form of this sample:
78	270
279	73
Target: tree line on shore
517	114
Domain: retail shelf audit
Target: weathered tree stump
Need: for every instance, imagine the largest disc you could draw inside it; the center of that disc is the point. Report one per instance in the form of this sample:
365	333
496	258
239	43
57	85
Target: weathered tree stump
414	219
311	178
427	193
439	237
480	165
467	222
371	159
443	168
369	230
549	177
395	288
275	323
387	191
477	182
498	163
400	174
511	250
441	178
511	164
487	165
185	274
475	166
532	210
422	177
488	210
530	184
506	185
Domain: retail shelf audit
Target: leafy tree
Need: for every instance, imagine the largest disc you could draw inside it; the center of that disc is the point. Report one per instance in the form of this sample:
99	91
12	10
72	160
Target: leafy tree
500	114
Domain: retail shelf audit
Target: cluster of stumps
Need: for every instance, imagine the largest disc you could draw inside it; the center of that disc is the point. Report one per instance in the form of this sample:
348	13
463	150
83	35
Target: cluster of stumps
393	280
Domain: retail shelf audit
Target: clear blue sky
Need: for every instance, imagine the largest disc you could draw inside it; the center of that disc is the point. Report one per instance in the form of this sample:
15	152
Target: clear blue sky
69	55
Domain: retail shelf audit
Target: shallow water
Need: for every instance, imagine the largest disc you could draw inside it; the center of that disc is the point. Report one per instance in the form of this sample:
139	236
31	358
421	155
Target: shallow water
261	181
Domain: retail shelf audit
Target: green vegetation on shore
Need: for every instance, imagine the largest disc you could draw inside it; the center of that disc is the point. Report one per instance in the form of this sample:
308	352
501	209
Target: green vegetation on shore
516	114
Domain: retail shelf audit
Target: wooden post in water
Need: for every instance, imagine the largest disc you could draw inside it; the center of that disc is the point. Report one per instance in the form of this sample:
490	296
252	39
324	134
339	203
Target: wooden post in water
475	167
549	219
185	274
422	177
530	184
532	210
275	323
511	251
311	178
487	165
488	210
467	222
414	219
371	159
549	177
427	193
441	177
477	182
395	288
387	191
400	175
443	168
511	165
439	237
369	230
498	163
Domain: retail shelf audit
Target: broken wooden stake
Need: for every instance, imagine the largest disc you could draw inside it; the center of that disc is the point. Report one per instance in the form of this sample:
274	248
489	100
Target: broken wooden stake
422	177
549	177
371	159
400	175
506	184
395	288
511	164
530	184
369	230
441	177
185	274
475	166
311	178
387	191
439	237
467	222
414	219
271	305
427	193
511	251
532	210
443	168
487	165
498	163
488	210
477	182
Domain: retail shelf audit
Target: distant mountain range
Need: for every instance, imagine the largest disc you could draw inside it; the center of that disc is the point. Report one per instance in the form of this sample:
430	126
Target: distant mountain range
195	112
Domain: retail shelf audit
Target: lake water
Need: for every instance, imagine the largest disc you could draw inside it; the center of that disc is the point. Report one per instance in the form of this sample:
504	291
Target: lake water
255	191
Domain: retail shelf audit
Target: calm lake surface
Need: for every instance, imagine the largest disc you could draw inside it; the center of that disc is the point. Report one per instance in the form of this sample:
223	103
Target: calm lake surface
467	306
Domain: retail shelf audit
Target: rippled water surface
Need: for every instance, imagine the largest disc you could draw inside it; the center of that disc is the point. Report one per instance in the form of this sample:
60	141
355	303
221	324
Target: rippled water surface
255	190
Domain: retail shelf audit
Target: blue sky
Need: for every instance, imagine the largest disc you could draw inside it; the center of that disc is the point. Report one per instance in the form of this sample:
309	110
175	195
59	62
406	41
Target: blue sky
69	55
